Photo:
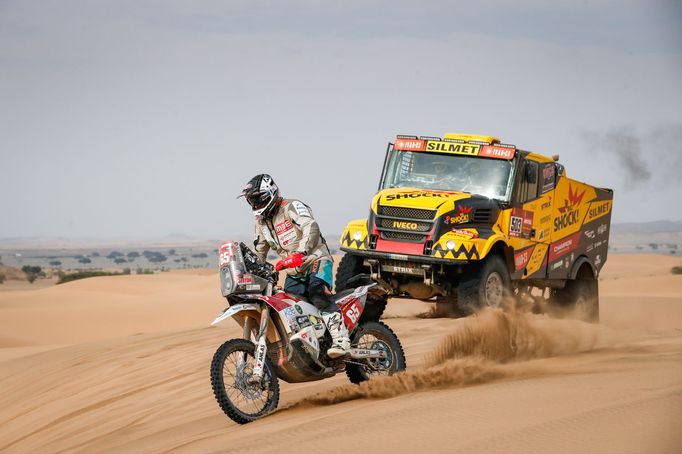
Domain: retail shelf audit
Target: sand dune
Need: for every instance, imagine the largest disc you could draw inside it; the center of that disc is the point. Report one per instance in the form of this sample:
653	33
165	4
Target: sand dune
121	364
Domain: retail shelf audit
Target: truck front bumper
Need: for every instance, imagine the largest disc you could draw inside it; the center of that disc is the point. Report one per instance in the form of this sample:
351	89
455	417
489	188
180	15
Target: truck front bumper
404	257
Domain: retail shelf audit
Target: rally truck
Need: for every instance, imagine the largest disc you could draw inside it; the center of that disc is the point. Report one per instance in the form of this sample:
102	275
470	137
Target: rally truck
470	221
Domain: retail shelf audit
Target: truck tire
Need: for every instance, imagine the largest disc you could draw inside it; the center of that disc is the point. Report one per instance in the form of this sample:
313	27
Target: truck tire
374	308
581	297
485	285
349	267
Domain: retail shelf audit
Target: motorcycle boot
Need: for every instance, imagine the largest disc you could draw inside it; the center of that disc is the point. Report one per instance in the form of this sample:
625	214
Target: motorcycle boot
339	332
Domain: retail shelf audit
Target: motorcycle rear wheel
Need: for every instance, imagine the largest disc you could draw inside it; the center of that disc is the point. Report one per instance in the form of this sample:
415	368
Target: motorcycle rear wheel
376	335
231	368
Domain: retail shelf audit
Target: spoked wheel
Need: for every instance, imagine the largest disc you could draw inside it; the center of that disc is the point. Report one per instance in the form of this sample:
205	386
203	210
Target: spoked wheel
240	397
376	336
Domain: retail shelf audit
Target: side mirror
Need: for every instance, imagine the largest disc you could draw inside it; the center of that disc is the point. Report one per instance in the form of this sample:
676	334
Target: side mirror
531	174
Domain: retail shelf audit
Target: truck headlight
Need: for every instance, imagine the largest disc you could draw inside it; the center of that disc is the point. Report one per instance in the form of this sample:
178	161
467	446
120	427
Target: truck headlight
357	235
450	245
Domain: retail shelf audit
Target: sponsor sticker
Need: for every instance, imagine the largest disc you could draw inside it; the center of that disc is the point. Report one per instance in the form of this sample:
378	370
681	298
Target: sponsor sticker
564	246
301	209
597	210
285	232
520	223
405	225
548	177
303	321
409	145
290	313
569	214
413	195
246	279
453	147
497	152
351	314
403	270
537	259
464	234
226	253
522	258
462	214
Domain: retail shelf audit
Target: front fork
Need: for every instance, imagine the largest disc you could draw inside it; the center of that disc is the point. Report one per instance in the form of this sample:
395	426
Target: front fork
261	343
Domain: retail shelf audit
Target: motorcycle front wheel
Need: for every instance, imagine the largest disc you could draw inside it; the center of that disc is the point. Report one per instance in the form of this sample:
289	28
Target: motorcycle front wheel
242	399
376	336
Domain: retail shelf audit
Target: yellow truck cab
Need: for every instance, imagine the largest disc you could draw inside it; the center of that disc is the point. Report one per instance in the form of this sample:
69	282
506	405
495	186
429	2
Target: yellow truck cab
468	220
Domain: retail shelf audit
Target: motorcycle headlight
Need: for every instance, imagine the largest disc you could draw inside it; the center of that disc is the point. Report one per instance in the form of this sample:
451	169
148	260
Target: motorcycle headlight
226	281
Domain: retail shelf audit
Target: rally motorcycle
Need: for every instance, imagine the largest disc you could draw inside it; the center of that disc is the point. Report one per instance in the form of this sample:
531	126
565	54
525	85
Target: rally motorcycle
284	337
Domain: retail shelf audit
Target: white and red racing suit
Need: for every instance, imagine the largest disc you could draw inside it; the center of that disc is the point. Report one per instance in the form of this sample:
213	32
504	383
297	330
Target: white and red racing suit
293	229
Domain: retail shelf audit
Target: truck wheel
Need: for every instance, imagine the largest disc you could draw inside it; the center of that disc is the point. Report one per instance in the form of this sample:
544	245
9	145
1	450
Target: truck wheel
349	267
487	285
581	297
374	308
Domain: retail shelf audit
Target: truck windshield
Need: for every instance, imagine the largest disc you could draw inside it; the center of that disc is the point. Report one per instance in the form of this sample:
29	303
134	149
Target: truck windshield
484	176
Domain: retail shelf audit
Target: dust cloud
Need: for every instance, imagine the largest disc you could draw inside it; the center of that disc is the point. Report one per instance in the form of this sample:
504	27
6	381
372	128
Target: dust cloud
476	352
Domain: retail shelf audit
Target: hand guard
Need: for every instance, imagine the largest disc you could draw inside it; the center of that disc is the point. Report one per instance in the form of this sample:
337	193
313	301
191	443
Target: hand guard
291	261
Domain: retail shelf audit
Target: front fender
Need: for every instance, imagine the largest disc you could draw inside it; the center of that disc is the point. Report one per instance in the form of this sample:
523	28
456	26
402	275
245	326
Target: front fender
233	310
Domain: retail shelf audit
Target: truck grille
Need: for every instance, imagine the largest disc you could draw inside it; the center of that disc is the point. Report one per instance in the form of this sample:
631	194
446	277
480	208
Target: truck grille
389	224
408	213
403	236
404	224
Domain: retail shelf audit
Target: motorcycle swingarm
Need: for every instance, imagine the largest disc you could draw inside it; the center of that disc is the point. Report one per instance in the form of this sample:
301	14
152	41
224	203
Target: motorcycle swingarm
366	353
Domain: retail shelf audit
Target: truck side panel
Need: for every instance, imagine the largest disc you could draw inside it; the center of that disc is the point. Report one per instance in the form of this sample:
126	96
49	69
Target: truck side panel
581	220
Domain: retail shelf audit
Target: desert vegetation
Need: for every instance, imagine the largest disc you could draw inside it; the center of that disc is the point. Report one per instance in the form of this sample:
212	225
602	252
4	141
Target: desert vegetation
32	272
64	277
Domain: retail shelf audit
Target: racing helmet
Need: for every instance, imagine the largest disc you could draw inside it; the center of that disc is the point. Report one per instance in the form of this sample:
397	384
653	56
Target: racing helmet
262	194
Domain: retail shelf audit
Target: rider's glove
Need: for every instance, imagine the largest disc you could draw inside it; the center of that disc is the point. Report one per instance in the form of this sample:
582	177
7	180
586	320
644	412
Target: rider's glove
291	261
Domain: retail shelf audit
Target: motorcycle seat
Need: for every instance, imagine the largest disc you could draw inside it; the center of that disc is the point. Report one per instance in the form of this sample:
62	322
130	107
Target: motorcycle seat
342	294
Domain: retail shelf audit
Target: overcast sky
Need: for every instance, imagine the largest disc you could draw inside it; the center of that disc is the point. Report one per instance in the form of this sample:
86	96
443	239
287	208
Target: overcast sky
144	118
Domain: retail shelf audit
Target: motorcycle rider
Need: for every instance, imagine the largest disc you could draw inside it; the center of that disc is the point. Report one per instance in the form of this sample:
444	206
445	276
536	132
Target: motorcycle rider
287	226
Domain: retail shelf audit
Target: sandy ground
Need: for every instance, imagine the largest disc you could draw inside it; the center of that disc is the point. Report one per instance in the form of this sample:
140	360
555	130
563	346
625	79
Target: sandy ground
121	364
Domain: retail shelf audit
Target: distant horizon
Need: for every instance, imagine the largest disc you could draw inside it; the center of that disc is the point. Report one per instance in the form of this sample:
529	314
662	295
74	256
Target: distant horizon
187	240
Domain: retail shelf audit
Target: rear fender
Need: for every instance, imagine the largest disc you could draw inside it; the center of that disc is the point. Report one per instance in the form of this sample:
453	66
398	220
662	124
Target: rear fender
580	261
352	306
